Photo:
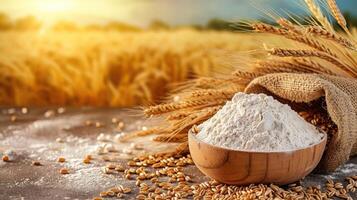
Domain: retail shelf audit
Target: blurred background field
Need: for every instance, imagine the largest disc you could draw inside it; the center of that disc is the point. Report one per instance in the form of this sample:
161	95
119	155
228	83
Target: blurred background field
48	58
107	68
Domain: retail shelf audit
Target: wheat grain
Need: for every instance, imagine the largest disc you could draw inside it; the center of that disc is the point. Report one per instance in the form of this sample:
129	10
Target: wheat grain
36	163
169	181
24	110
13	118
5	158
64	171
86	161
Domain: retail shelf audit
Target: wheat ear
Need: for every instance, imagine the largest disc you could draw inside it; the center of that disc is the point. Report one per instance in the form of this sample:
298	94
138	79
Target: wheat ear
170	138
182	149
207	83
314	66
178	115
316	12
289	26
261	27
141	133
195	118
170	107
318	31
266	28
277	66
226	93
336	13
198	83
310	53
182	126
246	75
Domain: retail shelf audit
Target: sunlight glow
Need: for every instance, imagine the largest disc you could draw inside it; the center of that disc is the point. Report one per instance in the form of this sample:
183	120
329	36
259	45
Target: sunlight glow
54	5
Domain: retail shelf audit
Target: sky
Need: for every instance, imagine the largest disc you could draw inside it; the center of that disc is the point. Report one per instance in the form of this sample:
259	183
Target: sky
142	12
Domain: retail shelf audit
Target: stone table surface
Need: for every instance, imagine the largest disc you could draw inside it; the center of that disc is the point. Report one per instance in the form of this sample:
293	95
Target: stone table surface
44	134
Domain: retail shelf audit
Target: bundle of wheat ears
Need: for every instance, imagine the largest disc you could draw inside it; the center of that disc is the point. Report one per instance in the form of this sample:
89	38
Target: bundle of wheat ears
324	51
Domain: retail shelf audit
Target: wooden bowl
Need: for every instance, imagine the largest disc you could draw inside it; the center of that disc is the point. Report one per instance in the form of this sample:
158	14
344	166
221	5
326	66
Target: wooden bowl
247	167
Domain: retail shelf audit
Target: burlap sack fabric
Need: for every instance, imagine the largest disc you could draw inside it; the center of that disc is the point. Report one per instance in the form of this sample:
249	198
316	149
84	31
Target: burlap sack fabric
341	100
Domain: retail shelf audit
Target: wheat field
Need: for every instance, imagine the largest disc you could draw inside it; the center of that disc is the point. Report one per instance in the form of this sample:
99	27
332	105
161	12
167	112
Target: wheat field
108	68
117	69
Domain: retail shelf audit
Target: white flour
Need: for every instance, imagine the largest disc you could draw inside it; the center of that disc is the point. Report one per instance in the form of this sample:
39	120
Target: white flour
258	122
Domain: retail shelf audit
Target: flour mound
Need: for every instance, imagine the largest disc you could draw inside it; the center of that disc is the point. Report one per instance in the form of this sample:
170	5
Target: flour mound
257	122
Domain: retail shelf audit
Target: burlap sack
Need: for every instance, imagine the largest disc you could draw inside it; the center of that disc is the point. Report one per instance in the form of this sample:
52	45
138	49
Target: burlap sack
341	100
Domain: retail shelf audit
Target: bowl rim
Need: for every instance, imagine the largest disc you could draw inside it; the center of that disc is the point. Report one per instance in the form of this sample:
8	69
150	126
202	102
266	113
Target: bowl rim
193	135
